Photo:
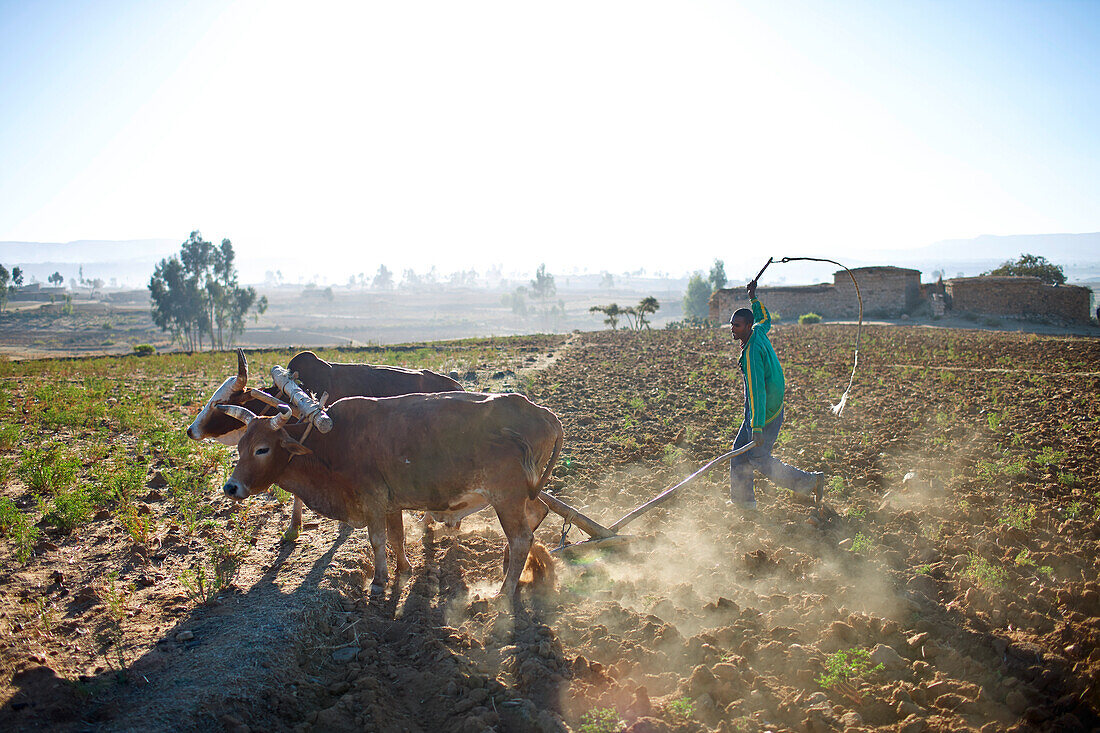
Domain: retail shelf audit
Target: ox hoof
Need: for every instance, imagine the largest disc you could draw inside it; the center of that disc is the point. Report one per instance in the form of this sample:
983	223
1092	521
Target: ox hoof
291	535
377	590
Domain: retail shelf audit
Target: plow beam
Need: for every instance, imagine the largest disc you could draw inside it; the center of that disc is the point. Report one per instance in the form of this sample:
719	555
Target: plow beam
593	528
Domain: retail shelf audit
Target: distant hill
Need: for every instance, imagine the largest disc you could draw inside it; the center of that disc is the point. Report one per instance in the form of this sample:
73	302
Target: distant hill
86	251
122	263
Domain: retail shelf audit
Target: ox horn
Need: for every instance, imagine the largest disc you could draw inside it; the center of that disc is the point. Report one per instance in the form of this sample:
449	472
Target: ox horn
242	372
282	418
241	413
264	397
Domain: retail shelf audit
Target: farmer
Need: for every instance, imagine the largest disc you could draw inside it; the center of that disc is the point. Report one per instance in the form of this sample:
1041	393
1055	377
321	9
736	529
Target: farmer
764	389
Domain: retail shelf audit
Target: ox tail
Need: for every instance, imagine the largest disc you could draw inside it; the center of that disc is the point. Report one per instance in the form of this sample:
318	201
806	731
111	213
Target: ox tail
538	572
535	480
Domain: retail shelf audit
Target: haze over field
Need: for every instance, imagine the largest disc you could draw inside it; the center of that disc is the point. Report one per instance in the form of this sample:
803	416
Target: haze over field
327	140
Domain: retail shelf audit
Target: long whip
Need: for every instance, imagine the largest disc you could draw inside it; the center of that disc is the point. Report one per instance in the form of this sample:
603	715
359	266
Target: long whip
838	408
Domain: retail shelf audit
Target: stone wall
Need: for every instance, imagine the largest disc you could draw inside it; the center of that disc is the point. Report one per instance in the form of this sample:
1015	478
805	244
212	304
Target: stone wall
886	291
1019	297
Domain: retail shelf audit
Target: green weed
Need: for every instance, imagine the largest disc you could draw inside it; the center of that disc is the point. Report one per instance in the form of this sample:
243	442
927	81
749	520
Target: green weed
140	527
862	543
994	420
9	436
846	664
69	509
984	573
186	488
672	455
203	581
601	720
1019	516
837	485
680	710
46	470
1069	480
18	529
1048	456
110	637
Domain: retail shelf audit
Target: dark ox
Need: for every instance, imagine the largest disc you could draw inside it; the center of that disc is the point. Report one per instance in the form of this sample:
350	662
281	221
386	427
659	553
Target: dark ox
317	376
446	453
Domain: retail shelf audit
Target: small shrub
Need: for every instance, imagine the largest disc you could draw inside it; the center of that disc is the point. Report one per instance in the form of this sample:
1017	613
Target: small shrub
601	720
140	527
1019	516
9	436
861	543
205	580
983	573
809	318
110	637
672	455
18	529
844	665
144	349
70	509
681	710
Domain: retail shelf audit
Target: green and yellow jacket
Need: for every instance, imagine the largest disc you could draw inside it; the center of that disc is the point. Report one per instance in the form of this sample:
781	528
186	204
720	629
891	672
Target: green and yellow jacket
764	385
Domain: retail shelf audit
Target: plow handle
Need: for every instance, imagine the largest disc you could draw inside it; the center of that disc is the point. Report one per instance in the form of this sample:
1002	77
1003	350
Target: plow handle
668	493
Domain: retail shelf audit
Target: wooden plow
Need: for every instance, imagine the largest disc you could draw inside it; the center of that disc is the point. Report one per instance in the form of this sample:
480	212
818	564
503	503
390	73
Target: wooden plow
606	537
307	409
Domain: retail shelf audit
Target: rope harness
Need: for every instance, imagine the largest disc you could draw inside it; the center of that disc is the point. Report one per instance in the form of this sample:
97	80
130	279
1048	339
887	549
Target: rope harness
838	408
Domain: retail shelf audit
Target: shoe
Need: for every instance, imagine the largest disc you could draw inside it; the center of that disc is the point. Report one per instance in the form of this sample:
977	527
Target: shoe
813	494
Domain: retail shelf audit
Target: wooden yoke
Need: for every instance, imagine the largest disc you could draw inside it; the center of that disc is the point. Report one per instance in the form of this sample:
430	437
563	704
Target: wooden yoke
300	402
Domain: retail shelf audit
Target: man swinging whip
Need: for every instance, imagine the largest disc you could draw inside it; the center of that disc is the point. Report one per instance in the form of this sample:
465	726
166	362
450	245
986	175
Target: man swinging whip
764	389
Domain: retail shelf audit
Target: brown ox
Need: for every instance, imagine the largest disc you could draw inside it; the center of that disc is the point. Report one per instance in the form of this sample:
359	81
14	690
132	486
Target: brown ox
318	376
446	453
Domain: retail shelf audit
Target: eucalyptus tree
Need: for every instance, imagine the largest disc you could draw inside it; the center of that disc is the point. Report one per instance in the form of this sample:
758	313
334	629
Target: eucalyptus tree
197	296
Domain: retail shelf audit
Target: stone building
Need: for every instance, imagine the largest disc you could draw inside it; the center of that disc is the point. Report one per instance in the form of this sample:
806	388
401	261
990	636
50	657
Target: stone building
1018	297
888	292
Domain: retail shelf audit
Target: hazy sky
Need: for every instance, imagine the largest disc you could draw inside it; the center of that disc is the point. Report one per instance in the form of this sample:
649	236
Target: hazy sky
595	134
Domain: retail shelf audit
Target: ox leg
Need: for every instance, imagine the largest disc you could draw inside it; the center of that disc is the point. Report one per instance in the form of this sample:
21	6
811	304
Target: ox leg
513	520
395	530
376	530
292	532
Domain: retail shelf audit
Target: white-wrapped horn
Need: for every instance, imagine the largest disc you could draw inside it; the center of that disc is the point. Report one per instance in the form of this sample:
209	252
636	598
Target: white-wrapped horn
303	405
241	413
282	418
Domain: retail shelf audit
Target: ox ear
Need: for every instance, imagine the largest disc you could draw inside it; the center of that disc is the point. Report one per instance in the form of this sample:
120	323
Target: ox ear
293	446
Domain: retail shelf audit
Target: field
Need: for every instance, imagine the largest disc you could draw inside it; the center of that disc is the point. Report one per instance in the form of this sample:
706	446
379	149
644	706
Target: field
114	322
949	582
